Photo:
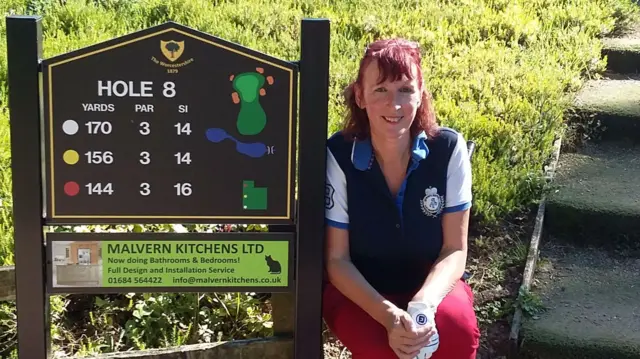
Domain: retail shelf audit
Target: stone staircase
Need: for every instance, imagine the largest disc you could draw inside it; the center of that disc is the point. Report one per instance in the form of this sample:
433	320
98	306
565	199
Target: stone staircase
588	274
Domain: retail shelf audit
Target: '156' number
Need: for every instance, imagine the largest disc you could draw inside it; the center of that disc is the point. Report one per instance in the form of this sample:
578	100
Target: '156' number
98	157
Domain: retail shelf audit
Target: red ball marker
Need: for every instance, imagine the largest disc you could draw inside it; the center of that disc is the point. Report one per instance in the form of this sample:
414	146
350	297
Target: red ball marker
71	188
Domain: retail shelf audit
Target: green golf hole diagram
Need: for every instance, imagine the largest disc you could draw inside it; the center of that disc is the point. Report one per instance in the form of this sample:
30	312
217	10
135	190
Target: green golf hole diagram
248	88
253	197
252	118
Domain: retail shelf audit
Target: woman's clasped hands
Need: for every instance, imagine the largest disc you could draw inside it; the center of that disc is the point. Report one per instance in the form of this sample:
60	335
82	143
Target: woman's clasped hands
406	338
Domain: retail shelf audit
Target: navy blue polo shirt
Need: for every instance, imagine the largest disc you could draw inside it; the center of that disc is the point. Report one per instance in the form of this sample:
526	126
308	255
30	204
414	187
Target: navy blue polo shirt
394	240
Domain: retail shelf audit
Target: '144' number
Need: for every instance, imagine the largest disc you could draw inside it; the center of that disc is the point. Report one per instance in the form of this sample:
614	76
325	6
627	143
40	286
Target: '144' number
99	188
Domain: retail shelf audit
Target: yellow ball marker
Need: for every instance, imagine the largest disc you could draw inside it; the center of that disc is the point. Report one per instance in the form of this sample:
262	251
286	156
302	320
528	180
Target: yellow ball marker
70	157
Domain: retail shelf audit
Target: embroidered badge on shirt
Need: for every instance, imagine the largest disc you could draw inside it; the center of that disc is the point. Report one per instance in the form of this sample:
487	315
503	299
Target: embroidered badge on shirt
328	196
432	203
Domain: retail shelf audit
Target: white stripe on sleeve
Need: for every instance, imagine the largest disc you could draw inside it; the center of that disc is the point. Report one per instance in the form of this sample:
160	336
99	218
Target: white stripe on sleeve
335	202
459	178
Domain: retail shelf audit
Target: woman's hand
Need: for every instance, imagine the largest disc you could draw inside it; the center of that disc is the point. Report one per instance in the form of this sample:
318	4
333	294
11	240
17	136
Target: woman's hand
404	338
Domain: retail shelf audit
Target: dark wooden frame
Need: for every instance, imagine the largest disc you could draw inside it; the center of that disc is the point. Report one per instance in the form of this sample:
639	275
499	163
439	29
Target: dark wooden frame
24	48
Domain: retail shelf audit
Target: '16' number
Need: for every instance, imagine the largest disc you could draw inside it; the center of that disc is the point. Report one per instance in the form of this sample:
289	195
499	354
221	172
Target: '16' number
183	189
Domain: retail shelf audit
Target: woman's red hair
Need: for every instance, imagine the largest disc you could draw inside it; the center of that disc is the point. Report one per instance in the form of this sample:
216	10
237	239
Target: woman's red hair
395	58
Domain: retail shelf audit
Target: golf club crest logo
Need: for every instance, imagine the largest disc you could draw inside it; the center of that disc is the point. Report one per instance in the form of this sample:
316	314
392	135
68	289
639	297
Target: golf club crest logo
172	50
432	203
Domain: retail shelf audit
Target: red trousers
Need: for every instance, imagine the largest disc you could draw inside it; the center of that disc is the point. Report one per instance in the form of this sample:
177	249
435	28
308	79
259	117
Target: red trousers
367	339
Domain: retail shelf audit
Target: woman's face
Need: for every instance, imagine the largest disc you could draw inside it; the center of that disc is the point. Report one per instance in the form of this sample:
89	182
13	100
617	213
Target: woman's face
391	105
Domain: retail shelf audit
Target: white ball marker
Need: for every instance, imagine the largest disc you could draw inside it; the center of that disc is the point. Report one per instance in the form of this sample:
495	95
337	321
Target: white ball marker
70	127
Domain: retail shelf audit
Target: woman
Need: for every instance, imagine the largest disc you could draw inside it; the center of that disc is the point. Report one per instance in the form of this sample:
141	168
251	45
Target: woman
397	209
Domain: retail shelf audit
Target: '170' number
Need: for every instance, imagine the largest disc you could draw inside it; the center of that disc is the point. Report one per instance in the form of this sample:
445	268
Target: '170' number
97	127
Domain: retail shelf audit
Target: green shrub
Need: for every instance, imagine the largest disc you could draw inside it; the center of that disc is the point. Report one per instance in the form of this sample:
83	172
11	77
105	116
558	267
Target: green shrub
501	72
155	320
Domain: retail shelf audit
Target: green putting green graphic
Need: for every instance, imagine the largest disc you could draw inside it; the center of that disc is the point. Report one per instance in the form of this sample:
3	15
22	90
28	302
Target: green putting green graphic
248	89
252	197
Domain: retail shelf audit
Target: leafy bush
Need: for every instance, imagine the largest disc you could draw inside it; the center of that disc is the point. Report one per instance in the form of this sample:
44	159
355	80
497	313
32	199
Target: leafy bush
156	320
501	72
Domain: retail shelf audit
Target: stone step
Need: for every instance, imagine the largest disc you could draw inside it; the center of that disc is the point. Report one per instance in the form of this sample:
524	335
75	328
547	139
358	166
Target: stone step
615	103
591	305
623	55
623	52
596	197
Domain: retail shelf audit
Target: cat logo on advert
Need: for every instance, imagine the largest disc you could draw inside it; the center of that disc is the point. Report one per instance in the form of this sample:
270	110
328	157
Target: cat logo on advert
172	50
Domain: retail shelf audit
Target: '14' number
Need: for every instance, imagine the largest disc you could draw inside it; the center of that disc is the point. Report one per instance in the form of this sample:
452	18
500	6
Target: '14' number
186	128
183	157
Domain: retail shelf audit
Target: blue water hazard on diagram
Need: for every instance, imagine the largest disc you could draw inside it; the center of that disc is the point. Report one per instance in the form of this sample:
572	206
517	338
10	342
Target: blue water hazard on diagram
254	149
